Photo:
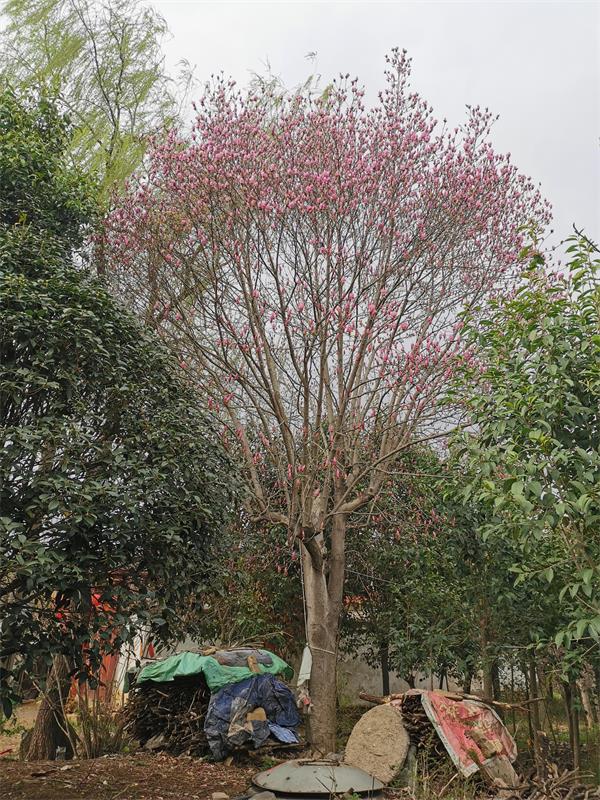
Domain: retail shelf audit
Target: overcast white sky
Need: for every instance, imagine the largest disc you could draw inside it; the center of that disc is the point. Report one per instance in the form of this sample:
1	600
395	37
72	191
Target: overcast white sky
536	64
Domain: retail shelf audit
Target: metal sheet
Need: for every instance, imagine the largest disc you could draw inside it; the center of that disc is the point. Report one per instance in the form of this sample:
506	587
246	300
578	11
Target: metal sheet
316	778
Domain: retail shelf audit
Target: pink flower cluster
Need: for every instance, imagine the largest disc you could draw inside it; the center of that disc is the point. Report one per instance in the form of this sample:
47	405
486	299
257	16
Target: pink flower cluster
310	256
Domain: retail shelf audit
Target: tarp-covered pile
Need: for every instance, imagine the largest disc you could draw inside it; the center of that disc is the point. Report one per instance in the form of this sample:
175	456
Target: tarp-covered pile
219	669
233	700
249	713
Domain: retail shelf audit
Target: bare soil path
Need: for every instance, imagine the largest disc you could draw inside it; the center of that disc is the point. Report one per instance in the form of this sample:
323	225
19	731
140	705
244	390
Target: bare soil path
140	776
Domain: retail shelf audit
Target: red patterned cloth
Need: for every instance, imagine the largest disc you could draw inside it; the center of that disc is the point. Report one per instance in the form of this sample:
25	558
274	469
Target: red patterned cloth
471	731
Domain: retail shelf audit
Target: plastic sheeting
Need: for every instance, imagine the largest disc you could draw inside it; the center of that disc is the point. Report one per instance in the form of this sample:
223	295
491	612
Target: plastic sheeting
226	724
219	669
305	666
469	729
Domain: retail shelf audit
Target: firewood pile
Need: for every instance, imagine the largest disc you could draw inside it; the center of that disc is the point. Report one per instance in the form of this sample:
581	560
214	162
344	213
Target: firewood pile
556	785
419	728
169	716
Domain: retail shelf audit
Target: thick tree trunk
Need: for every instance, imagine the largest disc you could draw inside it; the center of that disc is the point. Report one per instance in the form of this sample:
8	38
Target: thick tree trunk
323	682
322	640
488	683
324	586
50	730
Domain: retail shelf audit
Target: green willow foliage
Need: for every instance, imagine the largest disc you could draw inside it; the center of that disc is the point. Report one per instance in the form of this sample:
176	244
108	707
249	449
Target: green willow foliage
112	481
103	63
534	459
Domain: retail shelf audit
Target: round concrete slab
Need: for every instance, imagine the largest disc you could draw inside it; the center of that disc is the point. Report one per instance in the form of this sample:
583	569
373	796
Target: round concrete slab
378	743
316	778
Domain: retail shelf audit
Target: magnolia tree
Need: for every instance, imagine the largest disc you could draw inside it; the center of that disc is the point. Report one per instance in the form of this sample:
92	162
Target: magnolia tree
308	258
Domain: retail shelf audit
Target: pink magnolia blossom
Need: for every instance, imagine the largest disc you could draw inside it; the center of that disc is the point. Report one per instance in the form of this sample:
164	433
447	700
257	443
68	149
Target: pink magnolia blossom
321	251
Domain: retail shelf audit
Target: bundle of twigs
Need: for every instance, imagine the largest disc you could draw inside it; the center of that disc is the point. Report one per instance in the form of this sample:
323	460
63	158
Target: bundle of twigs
418	726
170	716
556	784
415	719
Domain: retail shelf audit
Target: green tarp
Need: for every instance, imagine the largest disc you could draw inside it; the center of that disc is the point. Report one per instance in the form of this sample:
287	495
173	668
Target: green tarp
220	669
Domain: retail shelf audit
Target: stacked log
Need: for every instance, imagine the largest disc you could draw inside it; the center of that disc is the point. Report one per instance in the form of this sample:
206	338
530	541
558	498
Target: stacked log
169	716
418	726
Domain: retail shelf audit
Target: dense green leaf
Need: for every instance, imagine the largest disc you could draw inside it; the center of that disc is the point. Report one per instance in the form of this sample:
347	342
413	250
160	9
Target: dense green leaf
114	484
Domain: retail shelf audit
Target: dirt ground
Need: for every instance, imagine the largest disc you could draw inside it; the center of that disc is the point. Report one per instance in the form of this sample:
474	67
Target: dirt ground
139	776
134	776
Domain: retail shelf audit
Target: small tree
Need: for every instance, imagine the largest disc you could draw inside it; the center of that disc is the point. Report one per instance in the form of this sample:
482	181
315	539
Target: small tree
535	457
431	596
534	460
112	481
400	587
308	260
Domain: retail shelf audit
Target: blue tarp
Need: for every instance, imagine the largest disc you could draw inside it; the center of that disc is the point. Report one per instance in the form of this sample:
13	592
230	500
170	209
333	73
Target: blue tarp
226	726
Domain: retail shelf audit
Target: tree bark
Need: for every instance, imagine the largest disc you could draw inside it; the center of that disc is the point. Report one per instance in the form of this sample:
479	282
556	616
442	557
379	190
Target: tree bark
488	683
495	675
535	717
545	691
467	681
324	587
525	670
486	666
585	684
575	718
569	690
100	257
385	668
50	729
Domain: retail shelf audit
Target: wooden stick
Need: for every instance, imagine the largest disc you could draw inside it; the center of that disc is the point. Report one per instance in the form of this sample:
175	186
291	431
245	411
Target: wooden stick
382	700
378	700
373	698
